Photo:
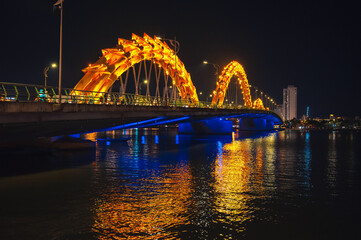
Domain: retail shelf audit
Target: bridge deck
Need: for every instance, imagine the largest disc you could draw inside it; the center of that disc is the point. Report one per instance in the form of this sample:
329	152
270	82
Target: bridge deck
49	119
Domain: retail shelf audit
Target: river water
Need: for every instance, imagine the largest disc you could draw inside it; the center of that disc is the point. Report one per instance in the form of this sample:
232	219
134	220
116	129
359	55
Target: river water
161	185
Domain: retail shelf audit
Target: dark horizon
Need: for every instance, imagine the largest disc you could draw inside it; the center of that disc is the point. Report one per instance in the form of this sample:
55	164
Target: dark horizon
313	47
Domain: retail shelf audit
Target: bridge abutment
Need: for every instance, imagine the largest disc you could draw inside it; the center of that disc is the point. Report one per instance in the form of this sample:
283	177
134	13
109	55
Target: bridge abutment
210	126
255	124
270	125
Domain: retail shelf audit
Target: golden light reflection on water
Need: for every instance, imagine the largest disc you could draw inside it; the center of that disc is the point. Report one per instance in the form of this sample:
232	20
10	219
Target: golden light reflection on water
91	136
332	161
232	175
239	171
155	204
150	207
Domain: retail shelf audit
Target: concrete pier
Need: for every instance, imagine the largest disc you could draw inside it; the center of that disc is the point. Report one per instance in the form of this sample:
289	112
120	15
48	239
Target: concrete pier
210	126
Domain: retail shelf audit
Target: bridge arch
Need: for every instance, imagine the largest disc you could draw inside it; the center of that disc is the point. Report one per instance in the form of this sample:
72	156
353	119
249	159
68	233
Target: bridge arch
99	77
234	68
258	104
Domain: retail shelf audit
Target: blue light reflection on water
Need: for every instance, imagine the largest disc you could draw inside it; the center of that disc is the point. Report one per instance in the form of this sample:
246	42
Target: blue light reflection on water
219	148
143	140
308	159
161	185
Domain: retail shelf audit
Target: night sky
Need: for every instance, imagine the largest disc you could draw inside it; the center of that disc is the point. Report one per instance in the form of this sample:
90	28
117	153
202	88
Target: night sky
313	46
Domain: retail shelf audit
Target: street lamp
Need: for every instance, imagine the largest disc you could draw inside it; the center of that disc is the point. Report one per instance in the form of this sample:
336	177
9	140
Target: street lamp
140	85
46	69
59	4
216	66
176	46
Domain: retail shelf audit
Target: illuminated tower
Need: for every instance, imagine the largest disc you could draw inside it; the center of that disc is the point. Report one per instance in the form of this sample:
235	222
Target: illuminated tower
290	102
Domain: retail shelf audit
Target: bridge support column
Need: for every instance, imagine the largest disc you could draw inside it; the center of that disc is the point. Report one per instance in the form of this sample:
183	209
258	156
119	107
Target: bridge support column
252	124
270	125
211	126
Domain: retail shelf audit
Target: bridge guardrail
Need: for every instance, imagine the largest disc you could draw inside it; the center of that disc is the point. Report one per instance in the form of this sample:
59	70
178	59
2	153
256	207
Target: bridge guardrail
17	92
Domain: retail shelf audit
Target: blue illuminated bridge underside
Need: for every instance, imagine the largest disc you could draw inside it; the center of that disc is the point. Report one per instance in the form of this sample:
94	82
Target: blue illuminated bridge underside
46	119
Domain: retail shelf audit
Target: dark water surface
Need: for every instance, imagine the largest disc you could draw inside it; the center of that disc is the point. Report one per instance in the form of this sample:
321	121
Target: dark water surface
160	185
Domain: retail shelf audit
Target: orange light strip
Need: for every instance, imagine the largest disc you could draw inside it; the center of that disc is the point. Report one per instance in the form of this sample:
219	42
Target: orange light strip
100	76
258	104
234	68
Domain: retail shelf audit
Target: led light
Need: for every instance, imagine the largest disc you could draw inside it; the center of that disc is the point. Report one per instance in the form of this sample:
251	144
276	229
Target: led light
99	77
232	69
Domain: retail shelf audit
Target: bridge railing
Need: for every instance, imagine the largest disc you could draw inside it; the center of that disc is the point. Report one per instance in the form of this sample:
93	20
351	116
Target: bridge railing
17	92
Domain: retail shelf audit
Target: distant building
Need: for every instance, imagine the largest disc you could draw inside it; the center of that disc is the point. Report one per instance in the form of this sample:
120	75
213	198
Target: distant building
290	102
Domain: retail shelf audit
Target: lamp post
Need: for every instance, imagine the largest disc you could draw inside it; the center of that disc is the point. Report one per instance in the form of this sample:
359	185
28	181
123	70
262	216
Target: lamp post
176	46
216	66
140	85
59	3
46	69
